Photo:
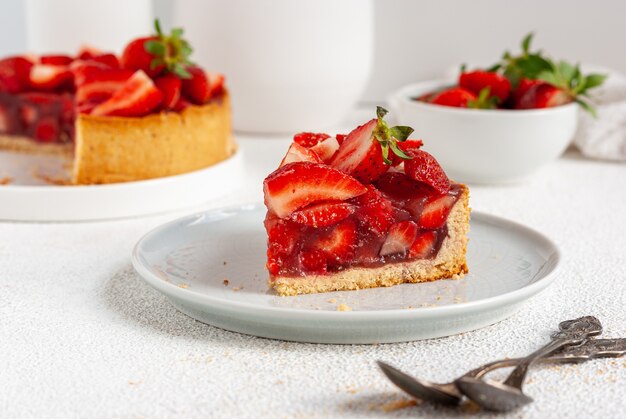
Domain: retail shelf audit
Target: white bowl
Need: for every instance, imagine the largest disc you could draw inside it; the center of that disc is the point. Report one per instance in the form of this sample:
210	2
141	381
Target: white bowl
485	146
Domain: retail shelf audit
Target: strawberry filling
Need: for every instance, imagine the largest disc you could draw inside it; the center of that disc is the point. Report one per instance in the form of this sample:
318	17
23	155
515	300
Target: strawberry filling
353	205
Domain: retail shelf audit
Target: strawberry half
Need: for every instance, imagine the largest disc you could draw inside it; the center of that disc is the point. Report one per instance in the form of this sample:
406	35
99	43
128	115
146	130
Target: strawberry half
297	185
360	155
137	97
475	81
435	211
323	214
170	86
375	211
309	139
50	77
15	74
297	153
400	238
326	149
400	186
338	244
543	95
456	97
424	245
424	168
216	83
56	59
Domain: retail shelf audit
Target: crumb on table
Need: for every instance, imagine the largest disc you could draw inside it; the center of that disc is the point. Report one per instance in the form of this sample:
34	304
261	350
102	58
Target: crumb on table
238	288
225	282
183	285
332	300
398	404
343	307
6	180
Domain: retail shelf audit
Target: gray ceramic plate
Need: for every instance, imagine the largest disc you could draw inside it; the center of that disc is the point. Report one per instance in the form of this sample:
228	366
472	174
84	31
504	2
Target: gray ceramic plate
211	267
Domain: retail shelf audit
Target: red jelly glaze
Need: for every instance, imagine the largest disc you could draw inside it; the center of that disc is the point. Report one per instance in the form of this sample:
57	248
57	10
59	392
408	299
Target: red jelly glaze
297	250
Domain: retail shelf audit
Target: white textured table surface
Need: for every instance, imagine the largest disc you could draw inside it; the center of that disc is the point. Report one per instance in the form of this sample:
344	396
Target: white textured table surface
82	336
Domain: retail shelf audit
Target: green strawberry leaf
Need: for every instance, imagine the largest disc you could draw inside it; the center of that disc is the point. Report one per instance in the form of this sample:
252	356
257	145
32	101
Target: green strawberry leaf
385	148
566	70
154	47
526	42
586	106
400	132
381	112
548	77
594	80
398	151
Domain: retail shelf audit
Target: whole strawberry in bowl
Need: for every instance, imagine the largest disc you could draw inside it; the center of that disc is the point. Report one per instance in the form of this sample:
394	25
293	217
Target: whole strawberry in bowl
501	123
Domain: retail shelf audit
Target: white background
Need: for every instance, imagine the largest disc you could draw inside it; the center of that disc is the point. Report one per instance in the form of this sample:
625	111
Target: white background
419	39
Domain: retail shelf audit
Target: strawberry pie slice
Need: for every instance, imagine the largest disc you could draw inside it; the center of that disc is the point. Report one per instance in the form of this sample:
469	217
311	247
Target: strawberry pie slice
365	210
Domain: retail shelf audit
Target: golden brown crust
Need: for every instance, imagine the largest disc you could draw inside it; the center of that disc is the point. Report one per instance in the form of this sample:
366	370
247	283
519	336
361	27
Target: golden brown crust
22	144
450	262
118	149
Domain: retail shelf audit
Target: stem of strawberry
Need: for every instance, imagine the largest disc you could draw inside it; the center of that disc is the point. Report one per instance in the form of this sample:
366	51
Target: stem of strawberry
388	137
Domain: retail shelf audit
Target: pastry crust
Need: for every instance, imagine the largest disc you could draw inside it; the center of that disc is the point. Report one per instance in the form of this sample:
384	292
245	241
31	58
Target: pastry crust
28	145
450	262
119	149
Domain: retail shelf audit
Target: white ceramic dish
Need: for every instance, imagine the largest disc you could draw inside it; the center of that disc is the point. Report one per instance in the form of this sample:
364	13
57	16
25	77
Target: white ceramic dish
188	261
485	146
30	199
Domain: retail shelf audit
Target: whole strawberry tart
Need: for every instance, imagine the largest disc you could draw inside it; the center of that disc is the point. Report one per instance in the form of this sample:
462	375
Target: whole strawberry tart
148	113
367	209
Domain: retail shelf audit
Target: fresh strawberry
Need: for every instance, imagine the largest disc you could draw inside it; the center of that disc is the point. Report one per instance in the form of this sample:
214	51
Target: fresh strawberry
50	77
456	97
522	87
400	238
435	211
137	97
475	81
543	95
401	187
338	244
309	139
326	149
340	138
374	211
15	74
297	153
170	87
197	88
297	185
56	59
136	57
323	214
46	130
313	261
360	155
424	245
405	146
99	84
424	168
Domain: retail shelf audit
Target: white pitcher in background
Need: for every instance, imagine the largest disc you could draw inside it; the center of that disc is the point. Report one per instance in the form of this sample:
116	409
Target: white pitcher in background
290	65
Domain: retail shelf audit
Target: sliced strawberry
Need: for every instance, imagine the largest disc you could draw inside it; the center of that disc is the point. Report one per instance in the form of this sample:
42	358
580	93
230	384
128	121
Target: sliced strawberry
456	97
424	245
313	262
136	57
400	186
474	81
326	149
340	138
98	84
87	52
374	211
338	244
297	185
297	153
309	139
108	60
360	155
400	238
216	83
323	214
522	87
197	88
543	95
50	77
137	97
56	59
170	86
15	74
46	130
283	236
424	168
435	211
